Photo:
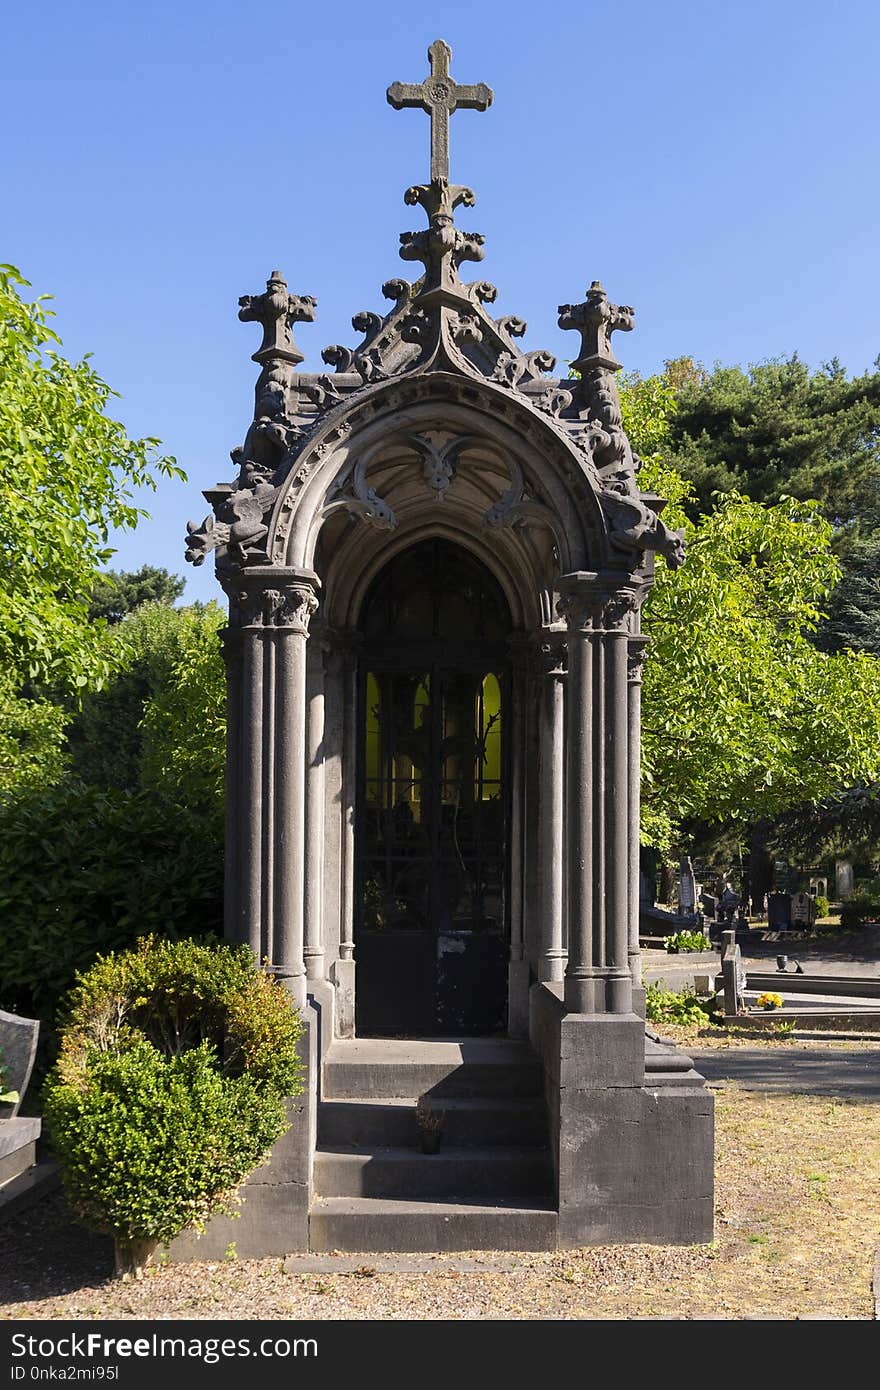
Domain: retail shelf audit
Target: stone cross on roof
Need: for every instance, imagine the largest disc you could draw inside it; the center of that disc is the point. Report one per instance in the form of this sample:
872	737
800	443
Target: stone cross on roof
439	95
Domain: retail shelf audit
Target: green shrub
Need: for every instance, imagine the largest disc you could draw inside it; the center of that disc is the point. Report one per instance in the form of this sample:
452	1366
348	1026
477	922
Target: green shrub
176	1059
85	870
822	905
688	941
674	1006
860	908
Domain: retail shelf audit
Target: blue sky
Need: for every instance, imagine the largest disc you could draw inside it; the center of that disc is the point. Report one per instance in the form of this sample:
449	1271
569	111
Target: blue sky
714	164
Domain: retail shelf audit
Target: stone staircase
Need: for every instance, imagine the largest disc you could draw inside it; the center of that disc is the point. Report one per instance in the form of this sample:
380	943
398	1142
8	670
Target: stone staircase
490	1185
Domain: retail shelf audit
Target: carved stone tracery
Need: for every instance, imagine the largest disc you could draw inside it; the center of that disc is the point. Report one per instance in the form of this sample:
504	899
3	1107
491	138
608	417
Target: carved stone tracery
437	325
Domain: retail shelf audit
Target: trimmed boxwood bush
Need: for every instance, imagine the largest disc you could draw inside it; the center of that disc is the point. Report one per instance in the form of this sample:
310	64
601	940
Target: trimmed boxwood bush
176	1059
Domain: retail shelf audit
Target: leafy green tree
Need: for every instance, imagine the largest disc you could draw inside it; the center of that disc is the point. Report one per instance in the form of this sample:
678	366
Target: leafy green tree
743	716
776	429
68	474
853	610
117	593
158	724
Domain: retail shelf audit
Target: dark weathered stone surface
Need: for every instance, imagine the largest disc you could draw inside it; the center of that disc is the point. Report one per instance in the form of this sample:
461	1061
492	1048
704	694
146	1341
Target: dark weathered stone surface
631	1140
438	427
18	1139
39	1181
18	1048
370	1223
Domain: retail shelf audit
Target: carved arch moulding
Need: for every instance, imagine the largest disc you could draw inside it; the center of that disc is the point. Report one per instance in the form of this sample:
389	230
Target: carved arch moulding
570	468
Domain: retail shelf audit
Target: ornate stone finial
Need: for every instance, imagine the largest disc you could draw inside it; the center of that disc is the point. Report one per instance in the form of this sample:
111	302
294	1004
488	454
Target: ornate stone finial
442	247
596	319
439	96
277	311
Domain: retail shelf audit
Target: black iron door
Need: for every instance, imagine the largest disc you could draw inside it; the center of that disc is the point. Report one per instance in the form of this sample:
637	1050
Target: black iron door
431	943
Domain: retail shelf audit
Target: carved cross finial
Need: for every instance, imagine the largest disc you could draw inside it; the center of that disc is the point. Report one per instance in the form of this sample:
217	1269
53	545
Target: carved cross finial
277	311
439	95
596	319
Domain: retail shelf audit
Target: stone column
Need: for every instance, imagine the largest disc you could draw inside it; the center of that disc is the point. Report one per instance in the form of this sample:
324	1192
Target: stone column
551	771
637	650
314	847
518	967
597	609
343	972
297	601
250	925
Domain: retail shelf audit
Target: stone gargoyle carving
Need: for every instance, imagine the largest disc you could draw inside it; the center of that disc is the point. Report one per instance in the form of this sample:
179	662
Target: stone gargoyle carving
238	527
632	525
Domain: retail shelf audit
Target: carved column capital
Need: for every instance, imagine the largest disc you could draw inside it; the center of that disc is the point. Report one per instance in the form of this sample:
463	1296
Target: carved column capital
599	602
273	599
295	605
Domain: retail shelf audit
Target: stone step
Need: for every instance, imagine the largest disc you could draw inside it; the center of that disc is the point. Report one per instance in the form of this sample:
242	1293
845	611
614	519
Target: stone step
389	1068
678	1080
450	1174
482	1121
378	1224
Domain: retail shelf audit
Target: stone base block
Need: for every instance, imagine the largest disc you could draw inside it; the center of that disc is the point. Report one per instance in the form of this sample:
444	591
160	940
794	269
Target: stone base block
636	1165
273	1220
601	1050
18	1144
322	997
342	975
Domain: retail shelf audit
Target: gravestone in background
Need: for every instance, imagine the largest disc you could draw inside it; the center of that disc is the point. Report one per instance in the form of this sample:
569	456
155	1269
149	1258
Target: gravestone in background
803	910
779	911
687	887
18	1135
843	877
18	1048
709	904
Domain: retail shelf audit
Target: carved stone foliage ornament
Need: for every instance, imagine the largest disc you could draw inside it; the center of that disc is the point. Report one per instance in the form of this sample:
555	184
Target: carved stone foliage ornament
435	325
598	602
438	453
285	603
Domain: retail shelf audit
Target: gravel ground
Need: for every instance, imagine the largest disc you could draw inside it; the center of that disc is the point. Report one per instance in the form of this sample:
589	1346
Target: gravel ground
796	1231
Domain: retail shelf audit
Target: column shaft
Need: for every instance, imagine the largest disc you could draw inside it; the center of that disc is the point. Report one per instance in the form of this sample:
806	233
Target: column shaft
598	609
349	796
314	848
551	818
250	792
580	975
290	811
616	819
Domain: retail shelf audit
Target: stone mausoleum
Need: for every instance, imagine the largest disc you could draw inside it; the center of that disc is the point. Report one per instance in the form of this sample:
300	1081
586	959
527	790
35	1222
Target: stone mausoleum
435	554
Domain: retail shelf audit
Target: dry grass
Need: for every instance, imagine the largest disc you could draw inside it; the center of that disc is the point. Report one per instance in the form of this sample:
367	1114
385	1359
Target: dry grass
796	1230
